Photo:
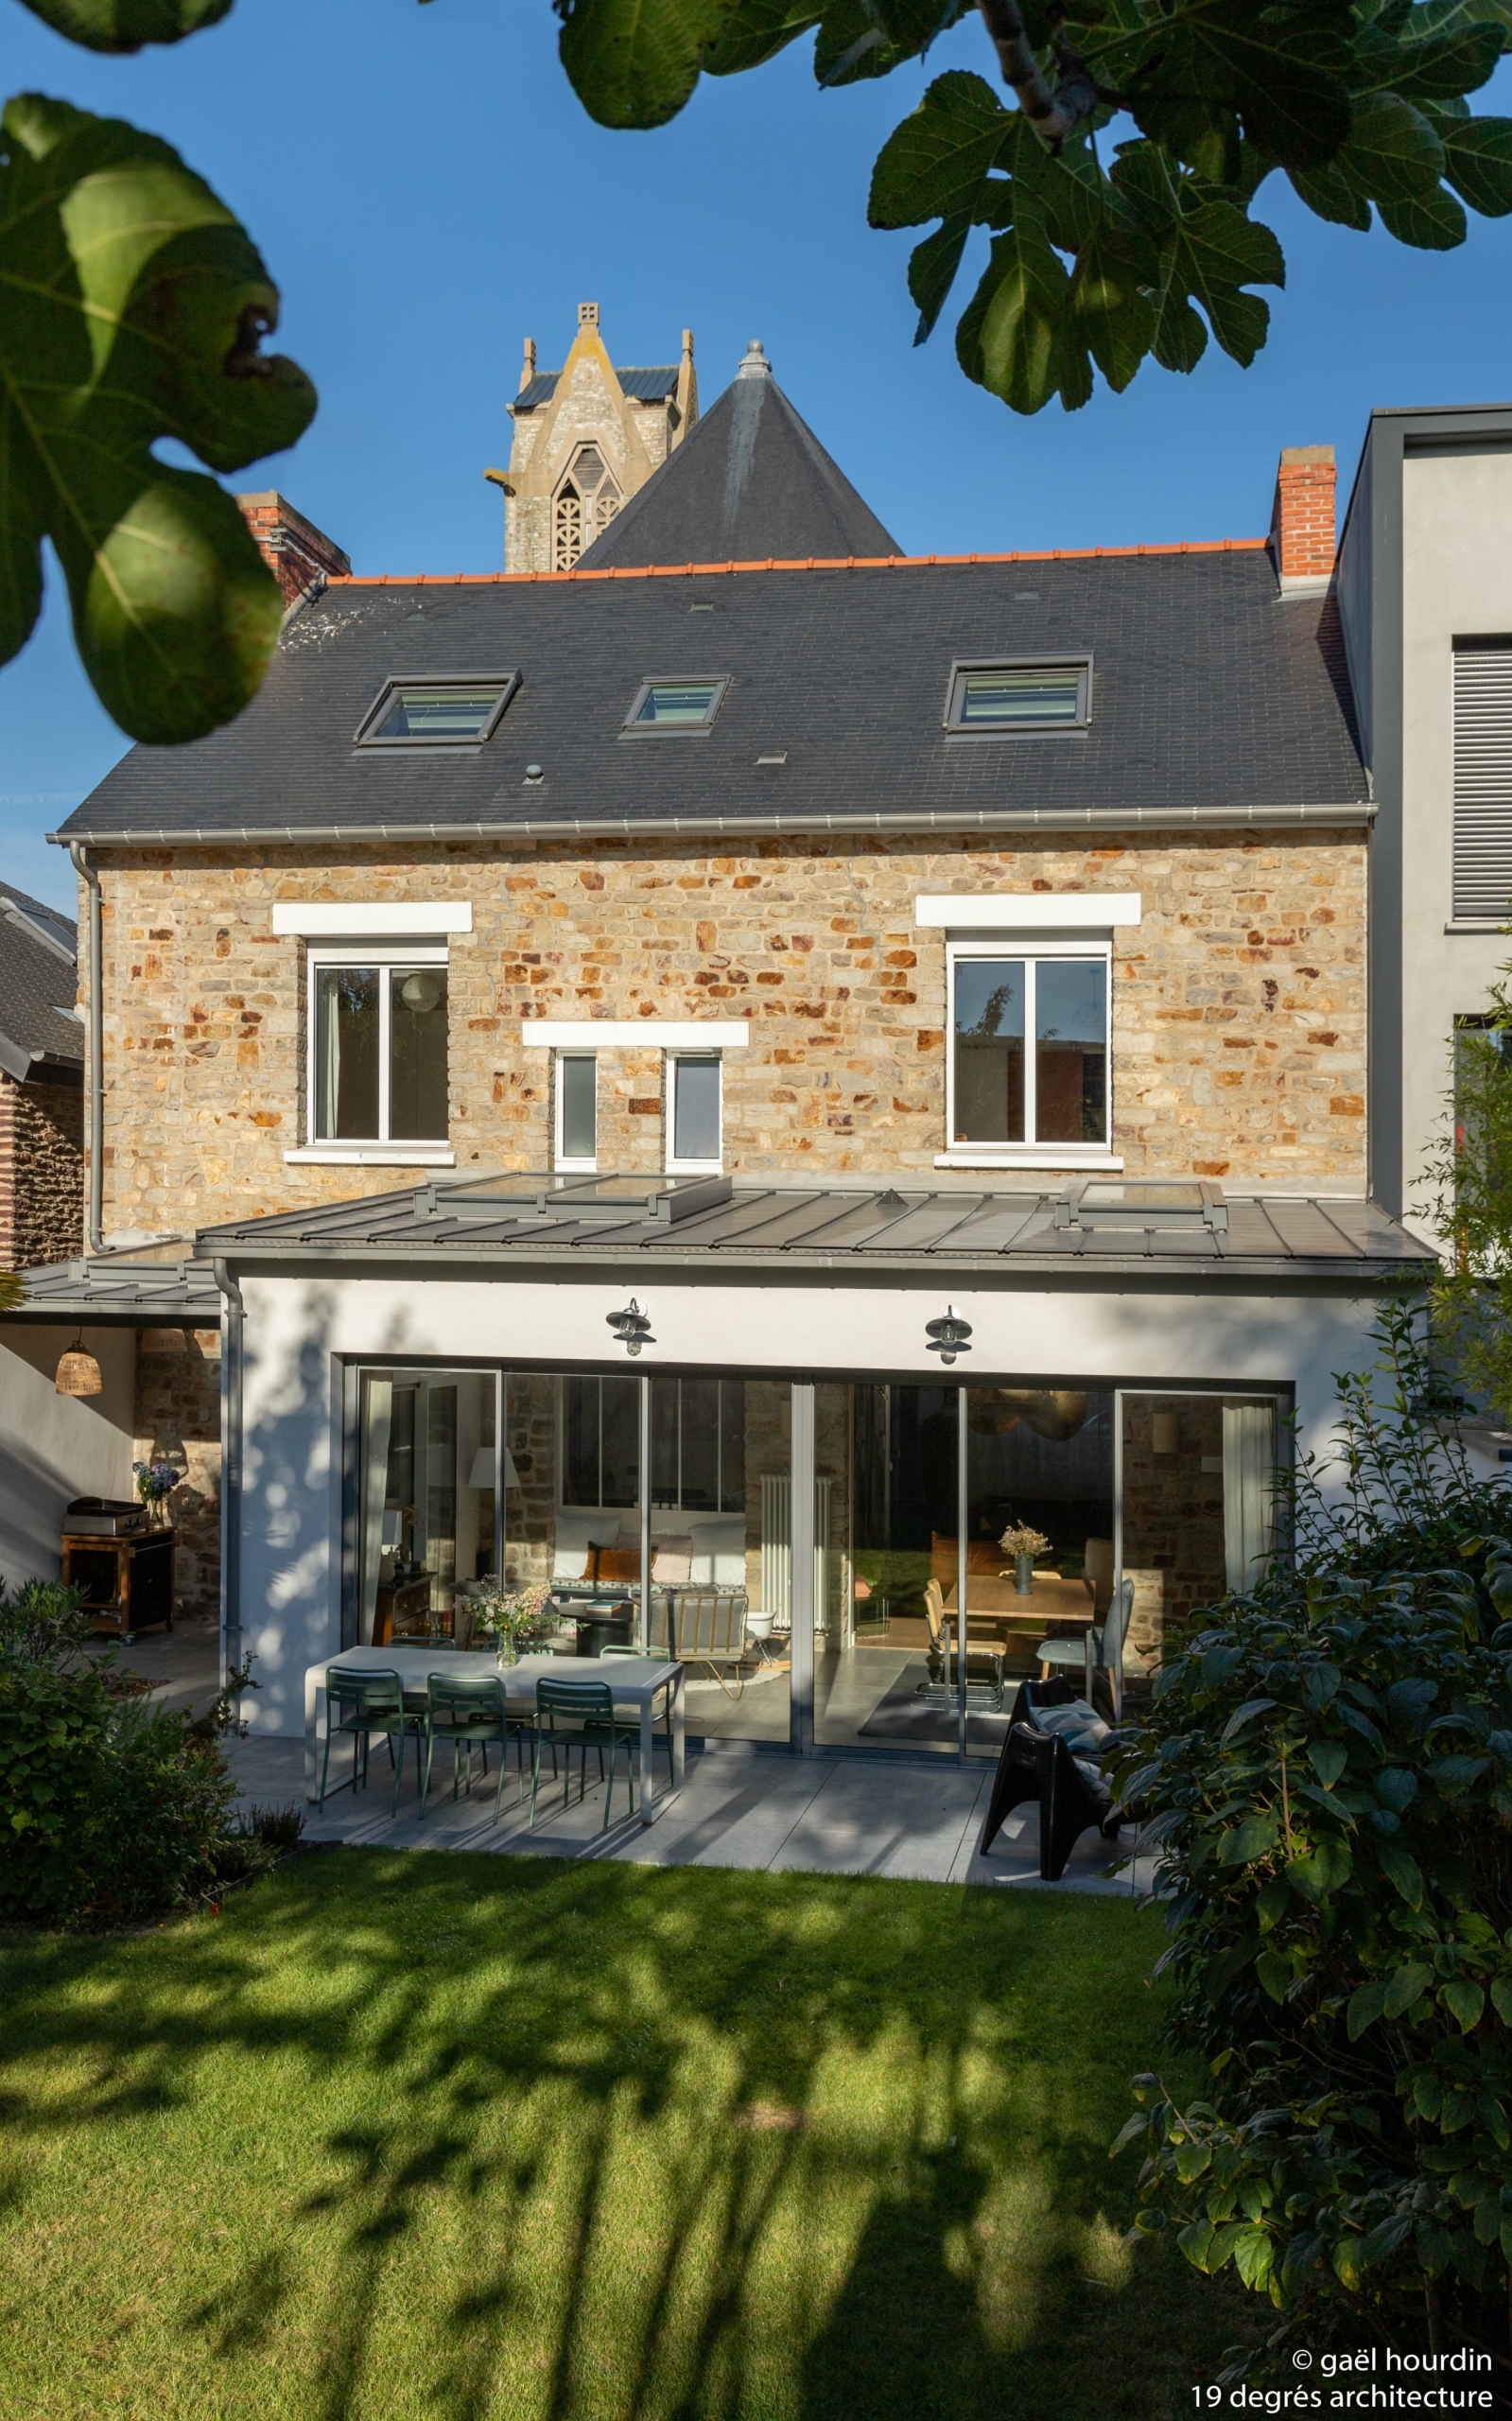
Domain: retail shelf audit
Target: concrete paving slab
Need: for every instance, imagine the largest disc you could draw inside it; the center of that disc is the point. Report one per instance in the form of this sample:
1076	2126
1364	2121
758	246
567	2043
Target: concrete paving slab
866	1821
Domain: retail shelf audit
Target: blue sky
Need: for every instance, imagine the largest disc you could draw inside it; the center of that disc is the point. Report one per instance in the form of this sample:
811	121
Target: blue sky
426	192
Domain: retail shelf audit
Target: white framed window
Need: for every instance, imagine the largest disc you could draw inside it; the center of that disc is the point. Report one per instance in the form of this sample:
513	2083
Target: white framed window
576	1143
695	1112
1029	1076
376	1074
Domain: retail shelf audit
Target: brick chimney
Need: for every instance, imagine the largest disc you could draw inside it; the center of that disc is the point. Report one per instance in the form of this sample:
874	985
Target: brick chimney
1302	536
301	557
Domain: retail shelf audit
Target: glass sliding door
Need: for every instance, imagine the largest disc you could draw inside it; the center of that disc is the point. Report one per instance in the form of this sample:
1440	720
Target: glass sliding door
424	1481
1197	1503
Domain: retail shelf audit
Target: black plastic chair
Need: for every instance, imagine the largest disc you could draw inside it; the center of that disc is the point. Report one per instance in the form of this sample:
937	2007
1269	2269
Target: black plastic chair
1037	1765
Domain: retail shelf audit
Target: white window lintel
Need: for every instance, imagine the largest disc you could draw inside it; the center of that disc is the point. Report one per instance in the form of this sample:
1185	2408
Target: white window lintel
1029	911
632	1034
382	918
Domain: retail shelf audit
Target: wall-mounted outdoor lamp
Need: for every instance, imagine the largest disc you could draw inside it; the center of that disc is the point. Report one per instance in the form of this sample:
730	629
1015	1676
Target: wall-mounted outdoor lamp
947	1336
632	1328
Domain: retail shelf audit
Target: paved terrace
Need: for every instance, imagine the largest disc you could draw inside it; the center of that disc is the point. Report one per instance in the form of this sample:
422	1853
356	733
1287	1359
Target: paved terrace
913	1819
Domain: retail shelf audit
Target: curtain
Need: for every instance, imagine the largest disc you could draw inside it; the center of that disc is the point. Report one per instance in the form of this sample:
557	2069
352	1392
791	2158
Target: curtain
1249	1464
377	1412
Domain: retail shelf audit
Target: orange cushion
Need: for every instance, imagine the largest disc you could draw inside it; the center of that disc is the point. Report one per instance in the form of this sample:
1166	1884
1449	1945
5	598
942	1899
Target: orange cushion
615	1563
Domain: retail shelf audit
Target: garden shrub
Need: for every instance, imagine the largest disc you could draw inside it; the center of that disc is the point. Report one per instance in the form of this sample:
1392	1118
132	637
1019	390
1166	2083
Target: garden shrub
1327	1765
112	1810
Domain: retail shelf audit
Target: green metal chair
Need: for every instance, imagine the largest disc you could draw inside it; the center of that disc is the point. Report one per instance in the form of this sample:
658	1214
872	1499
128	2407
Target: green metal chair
361	1703
665	1694
471	1710
587	1720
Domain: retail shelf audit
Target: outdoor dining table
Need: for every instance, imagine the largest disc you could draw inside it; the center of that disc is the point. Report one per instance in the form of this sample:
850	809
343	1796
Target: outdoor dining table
636	1682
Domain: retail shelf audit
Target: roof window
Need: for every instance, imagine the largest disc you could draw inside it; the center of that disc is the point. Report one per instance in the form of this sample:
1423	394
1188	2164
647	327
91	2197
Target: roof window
1029	695
687	704
461	712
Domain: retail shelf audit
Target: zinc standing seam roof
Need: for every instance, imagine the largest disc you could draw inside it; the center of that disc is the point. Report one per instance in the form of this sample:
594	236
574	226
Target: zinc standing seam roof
892	1228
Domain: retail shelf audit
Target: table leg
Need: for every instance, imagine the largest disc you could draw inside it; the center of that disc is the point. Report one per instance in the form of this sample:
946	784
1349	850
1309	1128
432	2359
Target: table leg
647	1776
314	1692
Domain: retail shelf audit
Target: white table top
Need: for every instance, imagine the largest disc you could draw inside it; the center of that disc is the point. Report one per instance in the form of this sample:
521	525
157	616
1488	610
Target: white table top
629	1677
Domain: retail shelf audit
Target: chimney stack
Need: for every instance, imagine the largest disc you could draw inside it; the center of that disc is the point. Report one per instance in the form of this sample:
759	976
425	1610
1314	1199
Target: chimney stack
1302	519
301	557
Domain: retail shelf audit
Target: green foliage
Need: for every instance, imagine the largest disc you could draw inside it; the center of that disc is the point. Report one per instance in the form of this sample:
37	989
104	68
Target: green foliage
127	24
43	1623
112	1809
1328	1769
1094	265
132	308
1471	1181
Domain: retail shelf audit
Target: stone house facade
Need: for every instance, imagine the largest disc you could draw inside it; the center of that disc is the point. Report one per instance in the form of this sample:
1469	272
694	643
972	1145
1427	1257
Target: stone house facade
42	1071
1003	919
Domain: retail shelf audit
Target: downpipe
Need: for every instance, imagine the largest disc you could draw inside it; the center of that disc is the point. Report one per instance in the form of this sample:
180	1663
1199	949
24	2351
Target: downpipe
232	1335
87	874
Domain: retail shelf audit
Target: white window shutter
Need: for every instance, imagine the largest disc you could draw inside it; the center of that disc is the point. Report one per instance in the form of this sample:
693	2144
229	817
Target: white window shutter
1482	782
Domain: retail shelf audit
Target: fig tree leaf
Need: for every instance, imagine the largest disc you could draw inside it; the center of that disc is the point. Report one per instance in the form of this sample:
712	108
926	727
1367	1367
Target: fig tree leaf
933	265
131	309
934	164
634	62
754	32
1478	164
127	24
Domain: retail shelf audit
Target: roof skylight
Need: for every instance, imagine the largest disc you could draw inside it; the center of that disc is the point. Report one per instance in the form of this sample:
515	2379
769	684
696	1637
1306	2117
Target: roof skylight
439	713
1029	695
687	704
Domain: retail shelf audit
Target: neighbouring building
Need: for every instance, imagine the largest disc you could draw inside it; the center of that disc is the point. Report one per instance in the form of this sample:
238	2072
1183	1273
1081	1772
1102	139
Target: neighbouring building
588	439
726	1072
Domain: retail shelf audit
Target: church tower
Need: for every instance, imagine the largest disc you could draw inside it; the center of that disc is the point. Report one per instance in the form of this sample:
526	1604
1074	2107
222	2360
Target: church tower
587	437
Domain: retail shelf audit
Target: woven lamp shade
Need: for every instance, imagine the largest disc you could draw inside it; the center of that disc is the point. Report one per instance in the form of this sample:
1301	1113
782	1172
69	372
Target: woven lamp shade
78	1374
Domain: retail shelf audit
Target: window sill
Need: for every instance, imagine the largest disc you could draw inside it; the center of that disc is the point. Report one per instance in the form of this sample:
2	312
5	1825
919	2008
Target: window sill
1028	1156
695	1168
372	1156
575	1168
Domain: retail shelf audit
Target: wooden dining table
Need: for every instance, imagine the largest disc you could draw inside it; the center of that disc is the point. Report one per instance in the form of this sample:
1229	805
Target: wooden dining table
1050	1600
636	1682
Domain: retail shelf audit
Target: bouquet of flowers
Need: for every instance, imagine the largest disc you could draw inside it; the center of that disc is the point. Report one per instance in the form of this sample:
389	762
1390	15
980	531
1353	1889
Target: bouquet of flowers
1019	1539
515	1616
154	1481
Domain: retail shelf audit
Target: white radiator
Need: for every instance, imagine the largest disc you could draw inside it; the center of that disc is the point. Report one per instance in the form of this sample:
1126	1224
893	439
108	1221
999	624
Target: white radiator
776	1549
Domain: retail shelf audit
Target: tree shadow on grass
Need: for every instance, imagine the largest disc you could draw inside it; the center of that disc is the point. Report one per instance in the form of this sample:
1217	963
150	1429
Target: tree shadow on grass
608	2143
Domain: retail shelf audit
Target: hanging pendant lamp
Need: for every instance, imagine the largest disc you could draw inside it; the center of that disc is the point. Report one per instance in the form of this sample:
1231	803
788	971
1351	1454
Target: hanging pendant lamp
78	1373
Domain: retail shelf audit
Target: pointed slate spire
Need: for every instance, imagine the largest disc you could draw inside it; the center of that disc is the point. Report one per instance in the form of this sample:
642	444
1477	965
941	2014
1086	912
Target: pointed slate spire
752	481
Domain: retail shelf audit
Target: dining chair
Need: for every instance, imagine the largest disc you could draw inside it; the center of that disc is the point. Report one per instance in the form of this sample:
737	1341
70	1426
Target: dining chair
361	1703
984	1685
1098	1649
586	1710
471	1710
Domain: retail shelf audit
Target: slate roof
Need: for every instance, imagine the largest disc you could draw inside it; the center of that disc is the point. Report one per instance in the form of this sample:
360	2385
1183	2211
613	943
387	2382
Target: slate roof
39	984
752	481
1212	702
813	1227
642	386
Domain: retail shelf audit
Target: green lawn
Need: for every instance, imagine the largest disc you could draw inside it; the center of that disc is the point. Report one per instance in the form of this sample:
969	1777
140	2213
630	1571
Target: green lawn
421	2137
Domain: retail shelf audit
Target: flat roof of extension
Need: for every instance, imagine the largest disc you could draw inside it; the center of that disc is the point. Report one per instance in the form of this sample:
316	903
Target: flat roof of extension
1092	1230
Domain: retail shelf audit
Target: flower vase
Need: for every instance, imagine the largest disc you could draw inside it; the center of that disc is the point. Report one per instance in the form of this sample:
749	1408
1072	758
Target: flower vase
507	1649
1024	1574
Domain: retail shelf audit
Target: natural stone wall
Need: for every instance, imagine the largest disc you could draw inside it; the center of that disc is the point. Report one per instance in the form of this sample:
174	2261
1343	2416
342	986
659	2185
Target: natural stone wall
177	1421
1239	1005
41	1172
